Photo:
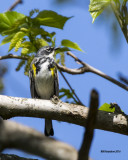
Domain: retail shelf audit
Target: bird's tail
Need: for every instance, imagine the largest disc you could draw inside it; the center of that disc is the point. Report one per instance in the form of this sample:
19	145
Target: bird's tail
48	128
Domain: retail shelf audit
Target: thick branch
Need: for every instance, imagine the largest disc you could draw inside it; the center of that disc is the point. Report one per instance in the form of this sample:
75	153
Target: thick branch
15	4
89	131
13	157
57	110
14	135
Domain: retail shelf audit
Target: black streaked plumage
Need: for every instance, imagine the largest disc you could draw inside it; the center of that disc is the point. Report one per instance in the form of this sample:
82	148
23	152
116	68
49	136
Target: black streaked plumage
44	85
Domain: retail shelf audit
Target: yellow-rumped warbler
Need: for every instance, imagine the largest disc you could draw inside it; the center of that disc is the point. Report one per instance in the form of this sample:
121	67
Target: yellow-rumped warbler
44	79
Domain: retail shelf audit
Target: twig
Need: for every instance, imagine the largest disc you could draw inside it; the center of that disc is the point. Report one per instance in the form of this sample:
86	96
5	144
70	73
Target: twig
123	78
14	135
88	135
9	56
15	4
13	157
84	69
71	88
72	113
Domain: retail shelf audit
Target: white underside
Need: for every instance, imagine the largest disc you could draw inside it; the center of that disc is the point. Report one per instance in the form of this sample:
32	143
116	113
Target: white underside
44	82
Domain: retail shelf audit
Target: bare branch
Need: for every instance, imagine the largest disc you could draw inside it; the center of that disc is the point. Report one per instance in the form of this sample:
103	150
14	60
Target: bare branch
84	69
15	4
14	135
57	110
13	157
88	135
123	78
9	56
87	68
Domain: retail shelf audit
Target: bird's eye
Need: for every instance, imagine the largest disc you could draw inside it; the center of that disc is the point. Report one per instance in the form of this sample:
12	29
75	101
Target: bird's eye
48	50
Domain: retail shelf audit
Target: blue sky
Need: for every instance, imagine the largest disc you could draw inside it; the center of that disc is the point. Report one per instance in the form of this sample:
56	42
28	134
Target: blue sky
96	41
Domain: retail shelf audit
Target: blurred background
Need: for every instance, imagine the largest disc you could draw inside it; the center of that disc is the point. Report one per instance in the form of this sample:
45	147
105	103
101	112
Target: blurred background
105	49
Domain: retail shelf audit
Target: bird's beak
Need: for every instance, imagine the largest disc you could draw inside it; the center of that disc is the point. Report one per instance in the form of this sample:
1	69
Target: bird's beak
57	48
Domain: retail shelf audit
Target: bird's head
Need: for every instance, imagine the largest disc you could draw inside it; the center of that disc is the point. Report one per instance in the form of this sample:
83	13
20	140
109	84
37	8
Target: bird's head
47	51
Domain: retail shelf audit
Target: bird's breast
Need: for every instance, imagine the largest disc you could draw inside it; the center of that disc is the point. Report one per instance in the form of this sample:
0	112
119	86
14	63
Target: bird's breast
44	82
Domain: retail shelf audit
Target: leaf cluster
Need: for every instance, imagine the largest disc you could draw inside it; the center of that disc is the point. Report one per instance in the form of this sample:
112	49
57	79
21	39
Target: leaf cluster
27	33
119	8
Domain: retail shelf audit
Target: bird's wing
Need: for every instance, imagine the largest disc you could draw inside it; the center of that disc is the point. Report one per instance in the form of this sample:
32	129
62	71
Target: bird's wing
32	82
56	84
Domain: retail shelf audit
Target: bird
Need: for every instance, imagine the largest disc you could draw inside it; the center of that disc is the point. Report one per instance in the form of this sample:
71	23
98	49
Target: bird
43	77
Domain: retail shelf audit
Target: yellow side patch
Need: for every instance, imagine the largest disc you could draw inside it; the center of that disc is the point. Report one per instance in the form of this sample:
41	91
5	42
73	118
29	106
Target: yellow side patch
52	71
34	69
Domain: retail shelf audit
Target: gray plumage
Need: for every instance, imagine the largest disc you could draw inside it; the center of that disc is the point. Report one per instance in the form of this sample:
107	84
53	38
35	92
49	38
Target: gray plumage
44	79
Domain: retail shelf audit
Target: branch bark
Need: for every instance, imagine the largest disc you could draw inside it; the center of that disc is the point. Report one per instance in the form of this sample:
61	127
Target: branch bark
14	4
14	135
10	56
13	157
57	110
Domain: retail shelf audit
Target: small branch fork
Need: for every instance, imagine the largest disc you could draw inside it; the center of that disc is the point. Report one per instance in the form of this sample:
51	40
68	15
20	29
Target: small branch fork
88	68
85	68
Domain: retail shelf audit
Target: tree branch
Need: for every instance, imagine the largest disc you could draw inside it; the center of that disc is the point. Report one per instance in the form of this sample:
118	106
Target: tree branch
9	56
15	4
88	135
84	69
14	135
57	110
87	68
13	157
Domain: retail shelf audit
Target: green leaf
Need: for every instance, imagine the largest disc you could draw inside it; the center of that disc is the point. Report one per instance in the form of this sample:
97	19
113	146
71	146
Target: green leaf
16	39
106	107
7	39
62	58
27	67
63	49
32	12
41	43
51	19
21	63
18	44
26	44
68	95
39	31
7	19
70	44
27	47
96	7
65	92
